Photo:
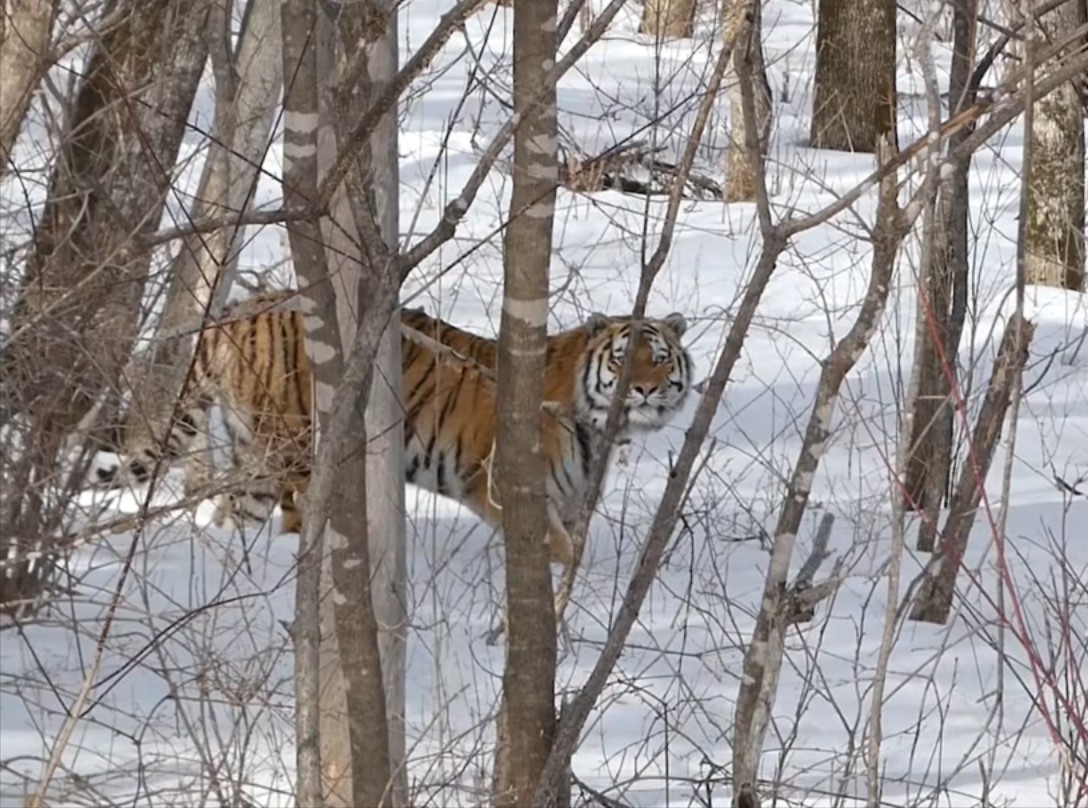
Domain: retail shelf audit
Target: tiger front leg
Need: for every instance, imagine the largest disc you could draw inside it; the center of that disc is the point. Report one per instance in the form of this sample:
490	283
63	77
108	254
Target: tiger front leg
560	543
253	492
251	505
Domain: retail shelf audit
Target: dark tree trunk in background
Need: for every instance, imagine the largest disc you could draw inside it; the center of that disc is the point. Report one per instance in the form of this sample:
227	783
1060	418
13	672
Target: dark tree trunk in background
668	19
854	97
1055	248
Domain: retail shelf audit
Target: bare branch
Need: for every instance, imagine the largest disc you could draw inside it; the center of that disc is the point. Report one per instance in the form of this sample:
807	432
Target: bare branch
448	24
455	210
934	598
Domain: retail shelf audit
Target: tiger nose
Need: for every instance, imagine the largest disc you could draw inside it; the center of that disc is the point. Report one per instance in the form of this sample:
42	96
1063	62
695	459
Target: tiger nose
640	390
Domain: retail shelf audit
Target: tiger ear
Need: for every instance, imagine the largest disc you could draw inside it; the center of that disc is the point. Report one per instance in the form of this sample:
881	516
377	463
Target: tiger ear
677	323
596	323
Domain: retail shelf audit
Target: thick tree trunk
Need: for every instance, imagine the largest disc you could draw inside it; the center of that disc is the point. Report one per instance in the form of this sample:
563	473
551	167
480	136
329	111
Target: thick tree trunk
25	28
742	31
78	312
529	678
668	19
1055	233
247	91
854	98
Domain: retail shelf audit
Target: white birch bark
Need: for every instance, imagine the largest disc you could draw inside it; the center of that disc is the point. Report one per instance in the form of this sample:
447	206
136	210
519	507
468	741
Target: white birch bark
385	416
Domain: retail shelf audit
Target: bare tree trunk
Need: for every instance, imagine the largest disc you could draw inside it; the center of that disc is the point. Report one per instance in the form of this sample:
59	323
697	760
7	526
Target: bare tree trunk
668	19
763	657
300	182
529	677
933	601
76	318
351	291
942	306
385	410
354	736
248	86
742	25
854	99
1055	234
25	28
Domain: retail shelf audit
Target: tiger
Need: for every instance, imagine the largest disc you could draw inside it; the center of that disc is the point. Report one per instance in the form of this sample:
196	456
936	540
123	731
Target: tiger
254	364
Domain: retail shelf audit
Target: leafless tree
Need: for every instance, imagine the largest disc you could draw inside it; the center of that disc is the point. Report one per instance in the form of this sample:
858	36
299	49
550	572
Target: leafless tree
668	19
528	693
763	658
854	99
345	742
944	283
934	599
933	602
1055	248
76	318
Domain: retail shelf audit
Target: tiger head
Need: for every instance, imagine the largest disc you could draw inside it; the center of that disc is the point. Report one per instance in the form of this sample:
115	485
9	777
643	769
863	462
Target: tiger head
660	380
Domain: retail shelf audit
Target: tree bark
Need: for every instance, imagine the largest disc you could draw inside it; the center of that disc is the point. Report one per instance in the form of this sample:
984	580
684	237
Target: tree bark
248	86
354	735
374	190
854	99
300	181
25	29
668	19
352	288
742	27
529	677
1055	233
78	311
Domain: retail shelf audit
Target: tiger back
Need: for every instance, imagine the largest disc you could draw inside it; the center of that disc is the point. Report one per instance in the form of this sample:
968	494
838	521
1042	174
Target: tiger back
254	363
584	363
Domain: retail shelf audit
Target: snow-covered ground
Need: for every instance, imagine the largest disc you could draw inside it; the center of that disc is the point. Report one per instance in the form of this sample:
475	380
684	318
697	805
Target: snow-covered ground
192	701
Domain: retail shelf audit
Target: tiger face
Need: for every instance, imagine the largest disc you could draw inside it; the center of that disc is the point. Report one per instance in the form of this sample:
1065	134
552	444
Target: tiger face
661	378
